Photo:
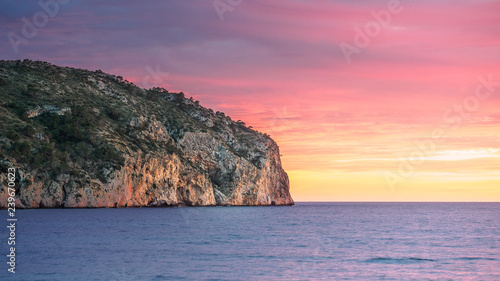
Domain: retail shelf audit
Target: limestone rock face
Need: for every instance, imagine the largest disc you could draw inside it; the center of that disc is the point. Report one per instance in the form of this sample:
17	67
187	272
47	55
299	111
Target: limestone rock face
88	139
241	182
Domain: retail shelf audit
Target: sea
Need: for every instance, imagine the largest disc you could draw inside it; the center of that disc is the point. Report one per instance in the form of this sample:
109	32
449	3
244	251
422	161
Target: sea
308	241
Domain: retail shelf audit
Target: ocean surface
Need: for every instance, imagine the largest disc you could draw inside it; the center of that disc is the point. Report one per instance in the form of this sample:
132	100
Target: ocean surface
309	241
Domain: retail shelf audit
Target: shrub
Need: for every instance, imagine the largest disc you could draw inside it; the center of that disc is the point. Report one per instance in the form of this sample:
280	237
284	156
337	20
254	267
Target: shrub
114	114
20	150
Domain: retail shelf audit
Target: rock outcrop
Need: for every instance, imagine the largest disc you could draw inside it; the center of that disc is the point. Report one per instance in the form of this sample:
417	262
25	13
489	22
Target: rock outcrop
88	139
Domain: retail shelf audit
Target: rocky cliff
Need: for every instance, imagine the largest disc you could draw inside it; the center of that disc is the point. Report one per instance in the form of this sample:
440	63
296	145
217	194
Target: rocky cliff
79	138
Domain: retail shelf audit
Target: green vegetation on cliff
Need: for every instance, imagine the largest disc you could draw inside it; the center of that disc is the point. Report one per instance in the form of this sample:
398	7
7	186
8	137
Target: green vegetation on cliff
88	125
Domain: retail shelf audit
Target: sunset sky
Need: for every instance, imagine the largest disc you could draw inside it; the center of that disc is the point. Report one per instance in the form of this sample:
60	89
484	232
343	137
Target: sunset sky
368	100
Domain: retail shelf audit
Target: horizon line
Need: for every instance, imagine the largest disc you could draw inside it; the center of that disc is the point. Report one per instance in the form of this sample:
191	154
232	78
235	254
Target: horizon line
397	201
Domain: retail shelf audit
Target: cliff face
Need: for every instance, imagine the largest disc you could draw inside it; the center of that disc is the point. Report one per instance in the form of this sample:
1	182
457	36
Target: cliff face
88	139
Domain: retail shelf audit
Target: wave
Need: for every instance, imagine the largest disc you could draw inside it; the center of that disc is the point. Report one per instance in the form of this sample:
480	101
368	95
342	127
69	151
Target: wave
475	258
397	260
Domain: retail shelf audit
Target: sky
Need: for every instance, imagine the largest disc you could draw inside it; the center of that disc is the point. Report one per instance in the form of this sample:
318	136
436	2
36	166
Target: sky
368	100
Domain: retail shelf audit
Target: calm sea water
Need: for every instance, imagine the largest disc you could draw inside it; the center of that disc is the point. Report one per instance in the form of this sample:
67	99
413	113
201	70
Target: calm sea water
309	241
